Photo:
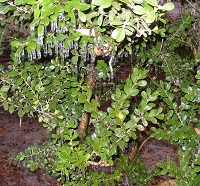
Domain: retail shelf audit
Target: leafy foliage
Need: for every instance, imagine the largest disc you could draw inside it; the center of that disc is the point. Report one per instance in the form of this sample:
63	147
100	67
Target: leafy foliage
71	47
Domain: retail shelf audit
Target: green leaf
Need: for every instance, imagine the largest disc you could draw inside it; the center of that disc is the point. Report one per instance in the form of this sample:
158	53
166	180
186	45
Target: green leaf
11	109
20	156
100	20
15	44
168	6
152	2
139	10
150	17
142	83
116	22
36	11
197	169
133	92
20	113
82	16
40	29
118	34
19	81
140	127
102	3
134	75
138	1
71	15
32	2
5	88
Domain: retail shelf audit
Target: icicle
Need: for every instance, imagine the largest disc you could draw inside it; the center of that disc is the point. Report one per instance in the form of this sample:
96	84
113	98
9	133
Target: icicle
33	54
88	56
115	61
93	57
45	29
84	57
30	57
64	30
76	45
50	51
66	53
39	55
56	48
58	30
40	39
61	29
111	67
18	58
54	25
50	45
76	67
45	50
61	46
71	45
22	52
62	57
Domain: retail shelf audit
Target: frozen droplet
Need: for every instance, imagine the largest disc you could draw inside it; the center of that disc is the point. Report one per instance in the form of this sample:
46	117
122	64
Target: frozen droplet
84	57
18	57
58	30
126	54
76	45
61	46
71	46
93	57
62	57
32	28
39	55
84	49
45	50
66	53
34	54
54	25
74	27
56	48
50	45
41	39
111	67
37	23
61	17
88	56
22	52
50	51
64	29
45	29
30	57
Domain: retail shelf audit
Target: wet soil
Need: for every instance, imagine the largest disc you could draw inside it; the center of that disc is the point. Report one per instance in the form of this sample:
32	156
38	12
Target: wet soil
13	139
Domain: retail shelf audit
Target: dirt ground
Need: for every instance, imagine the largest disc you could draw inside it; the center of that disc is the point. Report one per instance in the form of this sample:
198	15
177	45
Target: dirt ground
14	138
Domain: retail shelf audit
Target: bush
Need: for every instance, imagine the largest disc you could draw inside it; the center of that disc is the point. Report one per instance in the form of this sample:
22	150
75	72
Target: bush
69	54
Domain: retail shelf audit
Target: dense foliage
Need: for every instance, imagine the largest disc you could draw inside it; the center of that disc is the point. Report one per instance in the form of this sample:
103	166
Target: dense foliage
64	67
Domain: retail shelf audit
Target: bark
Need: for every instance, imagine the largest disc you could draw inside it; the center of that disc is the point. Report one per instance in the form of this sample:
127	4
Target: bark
169	182
85	118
